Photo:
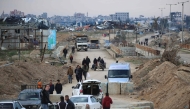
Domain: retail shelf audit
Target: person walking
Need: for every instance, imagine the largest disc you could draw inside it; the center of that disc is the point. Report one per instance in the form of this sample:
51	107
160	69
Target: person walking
70	73
39	86
62	104
71	58
80	70
99	59
51	87
77	73
58	87
73	49
107	101
85	70
87	61
83	61
95	63
65	52
70	104
45	97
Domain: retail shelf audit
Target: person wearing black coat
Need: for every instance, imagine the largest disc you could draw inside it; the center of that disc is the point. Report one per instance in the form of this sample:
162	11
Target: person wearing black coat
70	104
80	71
62	104
83	61
87	61
99	58
65	52
77	73
58	87
45	97
51	87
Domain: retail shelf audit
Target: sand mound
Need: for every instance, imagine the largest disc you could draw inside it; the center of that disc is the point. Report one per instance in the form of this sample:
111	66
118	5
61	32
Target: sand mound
167	85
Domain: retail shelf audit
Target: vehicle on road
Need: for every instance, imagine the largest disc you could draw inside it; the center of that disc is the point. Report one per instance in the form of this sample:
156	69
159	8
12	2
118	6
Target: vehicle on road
85	102
81	42
107	45
89	87
10	104
51	106
119	72
94	46
30	98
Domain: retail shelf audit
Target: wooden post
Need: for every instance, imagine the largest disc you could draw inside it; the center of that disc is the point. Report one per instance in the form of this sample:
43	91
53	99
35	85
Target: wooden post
43	53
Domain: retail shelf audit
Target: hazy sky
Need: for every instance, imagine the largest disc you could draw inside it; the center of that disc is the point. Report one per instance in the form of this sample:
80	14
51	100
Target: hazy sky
148	8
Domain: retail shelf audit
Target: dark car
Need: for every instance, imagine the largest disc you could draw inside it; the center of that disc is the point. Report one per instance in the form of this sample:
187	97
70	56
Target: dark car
94	46
30	98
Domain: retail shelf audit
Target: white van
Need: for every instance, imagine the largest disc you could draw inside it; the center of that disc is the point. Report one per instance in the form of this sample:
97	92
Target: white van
119	72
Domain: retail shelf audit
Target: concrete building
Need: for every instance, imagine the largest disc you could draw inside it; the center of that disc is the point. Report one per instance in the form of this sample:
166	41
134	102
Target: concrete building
122	16
44	15
176	15
17	13
79	16
31	16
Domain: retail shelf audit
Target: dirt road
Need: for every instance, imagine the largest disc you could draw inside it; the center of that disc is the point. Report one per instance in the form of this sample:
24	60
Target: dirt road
99	74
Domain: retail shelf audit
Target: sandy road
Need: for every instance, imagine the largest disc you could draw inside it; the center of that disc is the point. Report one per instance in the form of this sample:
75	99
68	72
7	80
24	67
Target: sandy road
99	74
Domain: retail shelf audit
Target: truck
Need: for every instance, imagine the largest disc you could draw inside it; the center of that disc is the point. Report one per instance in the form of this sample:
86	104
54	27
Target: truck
30	98
81	42
119	72
94	43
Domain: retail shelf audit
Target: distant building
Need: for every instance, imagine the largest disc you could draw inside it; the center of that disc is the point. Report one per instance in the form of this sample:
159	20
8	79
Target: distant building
79	16
176	15
17	13
44	15
113	16
122	16
31	16
3	15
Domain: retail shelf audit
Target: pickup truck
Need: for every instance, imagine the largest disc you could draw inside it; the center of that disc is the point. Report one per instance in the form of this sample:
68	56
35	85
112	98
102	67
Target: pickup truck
30	98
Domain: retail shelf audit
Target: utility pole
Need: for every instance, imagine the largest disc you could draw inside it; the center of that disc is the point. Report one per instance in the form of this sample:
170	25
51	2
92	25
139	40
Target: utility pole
136	29
182	22
170	17
161	18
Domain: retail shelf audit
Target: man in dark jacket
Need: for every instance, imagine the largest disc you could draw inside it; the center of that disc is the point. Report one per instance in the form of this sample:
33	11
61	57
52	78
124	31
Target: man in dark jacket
77	73
65	52
70	104
45	97
87	61
58	87
51	87
80	71
62	104
99	59
85	70
106	102
83	61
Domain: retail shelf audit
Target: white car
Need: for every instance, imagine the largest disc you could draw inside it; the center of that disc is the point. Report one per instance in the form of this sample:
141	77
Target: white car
85	102
10	105
89	87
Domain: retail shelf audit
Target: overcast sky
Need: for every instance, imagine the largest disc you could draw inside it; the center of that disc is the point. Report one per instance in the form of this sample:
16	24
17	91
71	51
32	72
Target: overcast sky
148	8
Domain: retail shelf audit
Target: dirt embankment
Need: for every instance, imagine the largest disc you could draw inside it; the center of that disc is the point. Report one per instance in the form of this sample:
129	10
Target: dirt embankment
13	76
165	84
